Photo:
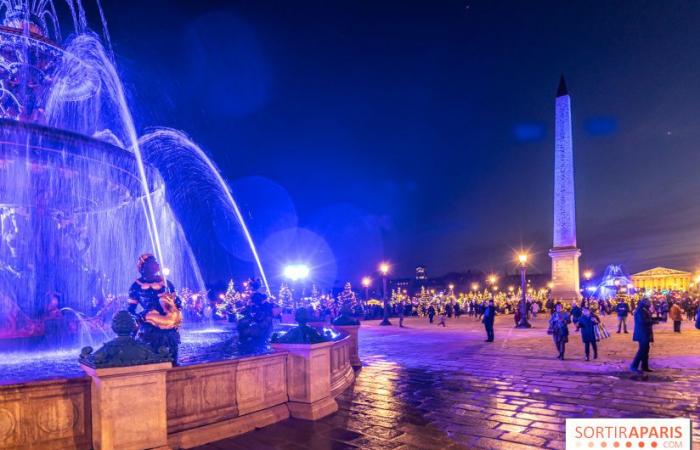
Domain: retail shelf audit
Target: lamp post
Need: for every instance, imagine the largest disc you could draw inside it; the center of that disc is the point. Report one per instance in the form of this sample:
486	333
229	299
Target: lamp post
366	282
384	270
523	323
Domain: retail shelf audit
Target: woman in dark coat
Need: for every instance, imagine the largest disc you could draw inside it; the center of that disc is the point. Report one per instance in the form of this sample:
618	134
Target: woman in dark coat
587	324
559	326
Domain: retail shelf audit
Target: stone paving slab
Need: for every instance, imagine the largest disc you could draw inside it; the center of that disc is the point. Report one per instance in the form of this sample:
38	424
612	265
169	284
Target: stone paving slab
429	387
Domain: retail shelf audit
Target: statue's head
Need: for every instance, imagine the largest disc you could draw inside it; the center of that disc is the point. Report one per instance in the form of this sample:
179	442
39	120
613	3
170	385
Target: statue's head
148	265
254	284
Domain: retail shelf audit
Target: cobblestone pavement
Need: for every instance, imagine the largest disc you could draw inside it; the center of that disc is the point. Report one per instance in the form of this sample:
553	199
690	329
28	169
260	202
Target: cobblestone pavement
428	387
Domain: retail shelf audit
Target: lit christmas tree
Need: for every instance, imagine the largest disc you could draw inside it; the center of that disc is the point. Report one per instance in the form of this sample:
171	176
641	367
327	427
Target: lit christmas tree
347	296
231	295
285	298
315	294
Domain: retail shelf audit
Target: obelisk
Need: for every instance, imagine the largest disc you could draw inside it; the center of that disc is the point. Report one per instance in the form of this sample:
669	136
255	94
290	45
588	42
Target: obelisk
564	252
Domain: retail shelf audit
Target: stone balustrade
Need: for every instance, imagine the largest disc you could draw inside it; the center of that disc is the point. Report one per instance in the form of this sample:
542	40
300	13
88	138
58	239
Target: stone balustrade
48	415
179	407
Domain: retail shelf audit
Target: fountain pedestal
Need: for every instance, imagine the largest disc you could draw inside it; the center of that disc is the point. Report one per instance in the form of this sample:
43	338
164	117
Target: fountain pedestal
309	380
352	332
129	407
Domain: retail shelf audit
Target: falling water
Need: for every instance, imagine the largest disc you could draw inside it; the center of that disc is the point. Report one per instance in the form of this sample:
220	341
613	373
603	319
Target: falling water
76	185
86	60
182	153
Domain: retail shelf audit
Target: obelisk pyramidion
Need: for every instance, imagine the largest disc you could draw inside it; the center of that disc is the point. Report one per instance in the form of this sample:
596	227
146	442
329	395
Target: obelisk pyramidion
564	253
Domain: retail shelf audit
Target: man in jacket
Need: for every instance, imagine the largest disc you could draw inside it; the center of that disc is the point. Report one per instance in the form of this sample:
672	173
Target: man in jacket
676	314
643	335
489	317
622	310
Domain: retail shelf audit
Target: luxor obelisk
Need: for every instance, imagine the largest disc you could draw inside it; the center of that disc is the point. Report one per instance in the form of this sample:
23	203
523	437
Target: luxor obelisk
564	252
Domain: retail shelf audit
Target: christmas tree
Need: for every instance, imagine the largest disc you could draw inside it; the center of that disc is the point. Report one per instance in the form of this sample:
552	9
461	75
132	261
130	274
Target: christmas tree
231	295
285	298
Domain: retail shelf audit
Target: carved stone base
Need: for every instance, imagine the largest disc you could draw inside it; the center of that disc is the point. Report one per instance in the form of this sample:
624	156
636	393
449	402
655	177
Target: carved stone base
565	274
313	411
129	407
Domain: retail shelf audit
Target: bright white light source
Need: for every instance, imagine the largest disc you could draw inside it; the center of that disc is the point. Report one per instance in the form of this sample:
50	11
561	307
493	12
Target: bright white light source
296	272
166	271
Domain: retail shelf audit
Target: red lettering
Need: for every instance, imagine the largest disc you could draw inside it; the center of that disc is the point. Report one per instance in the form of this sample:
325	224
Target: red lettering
678	432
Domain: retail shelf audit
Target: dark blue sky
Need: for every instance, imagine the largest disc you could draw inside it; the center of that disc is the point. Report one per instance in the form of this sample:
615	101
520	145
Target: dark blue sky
422	131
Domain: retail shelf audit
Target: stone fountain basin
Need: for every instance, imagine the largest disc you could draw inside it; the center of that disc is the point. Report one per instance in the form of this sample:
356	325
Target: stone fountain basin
202	403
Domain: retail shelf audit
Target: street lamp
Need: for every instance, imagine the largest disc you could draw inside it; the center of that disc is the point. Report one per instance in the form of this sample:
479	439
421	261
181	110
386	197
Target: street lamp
384	270
366	282
588	274
522	261
493	279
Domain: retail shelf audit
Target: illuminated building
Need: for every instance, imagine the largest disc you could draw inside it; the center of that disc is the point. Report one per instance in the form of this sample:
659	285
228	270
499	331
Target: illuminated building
564	252
421	273
662	278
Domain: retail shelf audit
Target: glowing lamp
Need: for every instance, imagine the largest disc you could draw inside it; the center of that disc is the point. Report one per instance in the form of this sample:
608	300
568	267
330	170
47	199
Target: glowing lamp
296	272
492	279
451	286
366	281
522	258
587	274
165	271
550	285
384	268
475	286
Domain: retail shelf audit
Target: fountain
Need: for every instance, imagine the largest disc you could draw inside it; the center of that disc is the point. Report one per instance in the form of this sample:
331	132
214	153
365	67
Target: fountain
81	194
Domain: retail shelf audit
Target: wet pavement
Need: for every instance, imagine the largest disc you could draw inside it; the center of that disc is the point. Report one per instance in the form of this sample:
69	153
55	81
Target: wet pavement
428	387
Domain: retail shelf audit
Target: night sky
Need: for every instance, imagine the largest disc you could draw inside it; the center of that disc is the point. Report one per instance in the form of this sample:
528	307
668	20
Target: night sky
422	131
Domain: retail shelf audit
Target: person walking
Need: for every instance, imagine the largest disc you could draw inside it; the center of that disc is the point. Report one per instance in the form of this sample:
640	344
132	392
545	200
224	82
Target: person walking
489	317
401	311
442	318
575	313
622	309
559	329
431	313
676	314
587	324
643	335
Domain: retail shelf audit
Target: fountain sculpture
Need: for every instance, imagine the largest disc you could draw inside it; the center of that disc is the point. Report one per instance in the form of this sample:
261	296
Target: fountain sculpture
82	195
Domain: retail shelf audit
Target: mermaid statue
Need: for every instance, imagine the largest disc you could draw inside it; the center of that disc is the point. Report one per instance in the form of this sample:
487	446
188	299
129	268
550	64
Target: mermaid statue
161	313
